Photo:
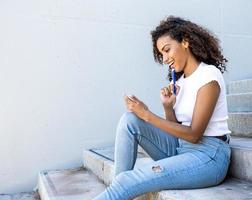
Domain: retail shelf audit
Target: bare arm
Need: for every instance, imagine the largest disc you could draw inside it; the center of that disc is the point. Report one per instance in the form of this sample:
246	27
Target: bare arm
170	115
206	100
168	100
205	103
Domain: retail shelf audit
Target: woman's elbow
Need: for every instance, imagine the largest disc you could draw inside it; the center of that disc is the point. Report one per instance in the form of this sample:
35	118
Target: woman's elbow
195	138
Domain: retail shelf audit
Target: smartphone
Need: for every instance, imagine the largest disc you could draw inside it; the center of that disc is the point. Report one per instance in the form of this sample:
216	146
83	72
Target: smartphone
130	97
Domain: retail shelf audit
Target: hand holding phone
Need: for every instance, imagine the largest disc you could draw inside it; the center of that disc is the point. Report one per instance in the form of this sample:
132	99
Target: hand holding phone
130	97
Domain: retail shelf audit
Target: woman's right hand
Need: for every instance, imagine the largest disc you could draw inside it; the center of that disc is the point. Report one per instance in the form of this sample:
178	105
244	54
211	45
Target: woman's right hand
167	97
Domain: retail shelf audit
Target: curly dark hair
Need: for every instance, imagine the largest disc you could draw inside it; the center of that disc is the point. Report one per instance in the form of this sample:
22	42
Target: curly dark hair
202	43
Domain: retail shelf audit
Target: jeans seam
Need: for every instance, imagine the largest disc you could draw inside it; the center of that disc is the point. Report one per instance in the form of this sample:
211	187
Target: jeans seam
150	142
125	192
222	166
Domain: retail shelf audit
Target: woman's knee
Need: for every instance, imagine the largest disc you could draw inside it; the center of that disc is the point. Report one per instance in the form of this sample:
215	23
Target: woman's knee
130	120
125	179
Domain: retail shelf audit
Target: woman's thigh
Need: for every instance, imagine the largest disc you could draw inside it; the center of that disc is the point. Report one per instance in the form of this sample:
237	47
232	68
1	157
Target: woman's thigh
157	143
184	171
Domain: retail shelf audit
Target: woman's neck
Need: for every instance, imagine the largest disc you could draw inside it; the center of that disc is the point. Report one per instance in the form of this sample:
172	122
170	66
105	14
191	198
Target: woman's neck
191	65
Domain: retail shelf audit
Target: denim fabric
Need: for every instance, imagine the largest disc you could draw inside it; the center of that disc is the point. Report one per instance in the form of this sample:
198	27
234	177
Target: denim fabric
177	164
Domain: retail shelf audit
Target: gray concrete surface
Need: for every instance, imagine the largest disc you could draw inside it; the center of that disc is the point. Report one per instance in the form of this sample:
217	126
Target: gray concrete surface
104	168
21	196
75	184
231	189
241	160
241	86
240	102
100	166
240	123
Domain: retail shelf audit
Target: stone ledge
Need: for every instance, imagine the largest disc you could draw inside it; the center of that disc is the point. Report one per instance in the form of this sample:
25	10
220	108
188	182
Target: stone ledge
21	196
73	184
241	102
241	160
240	123
241	86
230	189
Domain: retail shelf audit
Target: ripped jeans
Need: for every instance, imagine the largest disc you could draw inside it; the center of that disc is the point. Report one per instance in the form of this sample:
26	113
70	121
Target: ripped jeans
177	164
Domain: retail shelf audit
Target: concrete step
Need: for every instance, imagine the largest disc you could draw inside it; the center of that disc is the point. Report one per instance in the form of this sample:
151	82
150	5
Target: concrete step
240	102
101	163
241	160
231	189
75	184
241	86
240	123
20	196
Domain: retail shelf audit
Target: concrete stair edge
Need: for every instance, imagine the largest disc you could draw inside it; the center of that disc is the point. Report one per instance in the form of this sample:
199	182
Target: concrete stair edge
240	102
240	86
241	159
43	192
240	123
69	184
104	168
230	189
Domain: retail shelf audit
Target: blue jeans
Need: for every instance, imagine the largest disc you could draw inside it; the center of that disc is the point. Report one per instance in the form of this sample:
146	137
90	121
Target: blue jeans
177	164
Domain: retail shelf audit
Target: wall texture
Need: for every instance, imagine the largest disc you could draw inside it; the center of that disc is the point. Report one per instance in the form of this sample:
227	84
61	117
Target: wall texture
65	65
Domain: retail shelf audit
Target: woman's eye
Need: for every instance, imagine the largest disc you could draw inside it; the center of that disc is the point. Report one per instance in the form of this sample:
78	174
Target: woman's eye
167	50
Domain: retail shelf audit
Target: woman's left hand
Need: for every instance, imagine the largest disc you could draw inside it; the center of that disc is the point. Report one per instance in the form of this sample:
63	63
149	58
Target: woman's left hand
136	106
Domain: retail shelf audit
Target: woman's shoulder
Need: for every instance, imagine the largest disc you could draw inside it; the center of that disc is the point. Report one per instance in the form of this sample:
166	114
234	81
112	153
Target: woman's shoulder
209	73
209	68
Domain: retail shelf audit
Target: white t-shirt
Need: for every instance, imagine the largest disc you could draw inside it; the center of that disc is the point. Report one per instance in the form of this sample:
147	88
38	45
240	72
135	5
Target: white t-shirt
186	99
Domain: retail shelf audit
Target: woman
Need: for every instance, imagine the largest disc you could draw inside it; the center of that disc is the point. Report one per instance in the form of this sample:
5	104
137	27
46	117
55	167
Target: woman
190	146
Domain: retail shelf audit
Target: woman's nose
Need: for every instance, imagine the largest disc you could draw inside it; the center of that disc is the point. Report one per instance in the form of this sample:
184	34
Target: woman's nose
165	59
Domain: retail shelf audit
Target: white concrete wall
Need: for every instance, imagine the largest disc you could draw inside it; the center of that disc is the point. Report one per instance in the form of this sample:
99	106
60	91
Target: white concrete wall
64	66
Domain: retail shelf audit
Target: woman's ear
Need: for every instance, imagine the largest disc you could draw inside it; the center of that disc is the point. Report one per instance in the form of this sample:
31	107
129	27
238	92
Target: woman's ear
185	43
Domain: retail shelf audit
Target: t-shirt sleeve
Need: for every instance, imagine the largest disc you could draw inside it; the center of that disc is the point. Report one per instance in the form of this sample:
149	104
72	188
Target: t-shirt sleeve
209	75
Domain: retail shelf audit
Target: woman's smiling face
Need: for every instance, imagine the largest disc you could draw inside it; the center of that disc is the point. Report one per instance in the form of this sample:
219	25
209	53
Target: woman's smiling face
174	53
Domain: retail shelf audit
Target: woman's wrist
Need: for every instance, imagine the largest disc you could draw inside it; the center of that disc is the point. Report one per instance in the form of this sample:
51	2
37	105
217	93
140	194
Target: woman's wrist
170	115
168	109
148	115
